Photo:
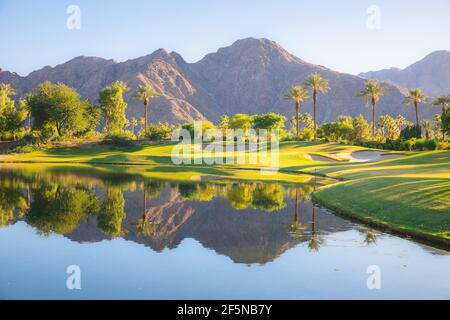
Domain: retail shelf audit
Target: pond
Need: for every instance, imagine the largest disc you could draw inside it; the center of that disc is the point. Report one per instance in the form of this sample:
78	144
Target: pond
136	238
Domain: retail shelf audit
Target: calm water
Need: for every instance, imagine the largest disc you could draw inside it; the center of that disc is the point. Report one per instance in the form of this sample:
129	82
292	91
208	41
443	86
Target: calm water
151	239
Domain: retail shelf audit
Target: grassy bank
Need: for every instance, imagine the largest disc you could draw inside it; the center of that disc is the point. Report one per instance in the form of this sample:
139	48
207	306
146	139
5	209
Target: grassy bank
410	195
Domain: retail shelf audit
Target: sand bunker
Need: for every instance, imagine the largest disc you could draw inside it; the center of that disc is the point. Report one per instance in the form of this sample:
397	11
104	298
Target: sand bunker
358	156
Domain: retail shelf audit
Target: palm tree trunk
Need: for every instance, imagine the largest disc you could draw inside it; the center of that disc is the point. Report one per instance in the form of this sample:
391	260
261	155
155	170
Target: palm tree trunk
373	118
29	120
416	105
145	111
315	114
297	111
442	123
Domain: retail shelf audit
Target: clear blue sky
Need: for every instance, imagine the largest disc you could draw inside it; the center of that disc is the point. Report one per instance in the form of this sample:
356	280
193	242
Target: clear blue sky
331	33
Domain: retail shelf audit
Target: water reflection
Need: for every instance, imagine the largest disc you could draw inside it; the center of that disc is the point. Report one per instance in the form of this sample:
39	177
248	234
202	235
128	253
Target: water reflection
249	222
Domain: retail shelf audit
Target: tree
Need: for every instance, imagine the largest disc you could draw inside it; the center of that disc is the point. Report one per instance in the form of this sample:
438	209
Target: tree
446	121
427	127
141	122
298	94
145	94
11	119
361	129
58	106
6	90
242	122
414	98
133	123
442	101
113	106
318	85
25	106
224	123
372	93
270	121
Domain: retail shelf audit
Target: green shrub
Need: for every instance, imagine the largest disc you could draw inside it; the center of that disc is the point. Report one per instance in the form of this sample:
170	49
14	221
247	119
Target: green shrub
411	132
124	139
431	144
158	132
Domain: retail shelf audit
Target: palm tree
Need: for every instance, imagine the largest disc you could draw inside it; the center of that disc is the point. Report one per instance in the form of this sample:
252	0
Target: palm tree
427	128
318	85
372	93
297	94
444	102
415	97
145	93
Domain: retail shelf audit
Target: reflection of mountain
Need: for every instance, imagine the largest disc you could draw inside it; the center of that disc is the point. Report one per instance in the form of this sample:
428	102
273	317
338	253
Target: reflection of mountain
248	222
246	236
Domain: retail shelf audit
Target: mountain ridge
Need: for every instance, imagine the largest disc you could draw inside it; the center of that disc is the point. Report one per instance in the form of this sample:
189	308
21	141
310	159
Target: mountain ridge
249	76
431	74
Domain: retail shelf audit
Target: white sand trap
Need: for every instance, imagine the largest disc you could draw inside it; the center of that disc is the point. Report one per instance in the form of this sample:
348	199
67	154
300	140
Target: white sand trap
367	156
357	156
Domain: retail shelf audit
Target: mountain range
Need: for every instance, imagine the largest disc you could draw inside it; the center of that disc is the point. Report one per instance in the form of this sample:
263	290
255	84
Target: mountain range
250	76
431	74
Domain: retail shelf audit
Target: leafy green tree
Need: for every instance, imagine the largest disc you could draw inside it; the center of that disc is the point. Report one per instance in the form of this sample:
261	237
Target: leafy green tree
145	94
446	121
298	94
391	127
159	131
443	102
59	106
113	106
317	84
361	129
241	121
11	119
270	121
6	90
415	97
372	93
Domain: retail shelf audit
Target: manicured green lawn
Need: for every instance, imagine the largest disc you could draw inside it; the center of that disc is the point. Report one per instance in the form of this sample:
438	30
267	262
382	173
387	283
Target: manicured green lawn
410	193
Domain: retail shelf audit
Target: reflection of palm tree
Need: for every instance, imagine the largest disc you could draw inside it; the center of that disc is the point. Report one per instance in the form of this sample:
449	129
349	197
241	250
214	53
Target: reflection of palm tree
296	227
144	227
370	237
315	242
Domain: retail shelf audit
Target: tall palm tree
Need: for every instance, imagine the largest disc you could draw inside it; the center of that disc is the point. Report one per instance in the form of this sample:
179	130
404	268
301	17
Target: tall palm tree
372	93
415	97
317	84
145	93
444	102
298	94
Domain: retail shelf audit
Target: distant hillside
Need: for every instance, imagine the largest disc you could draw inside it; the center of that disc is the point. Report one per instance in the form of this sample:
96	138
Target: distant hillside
431	74
250	76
